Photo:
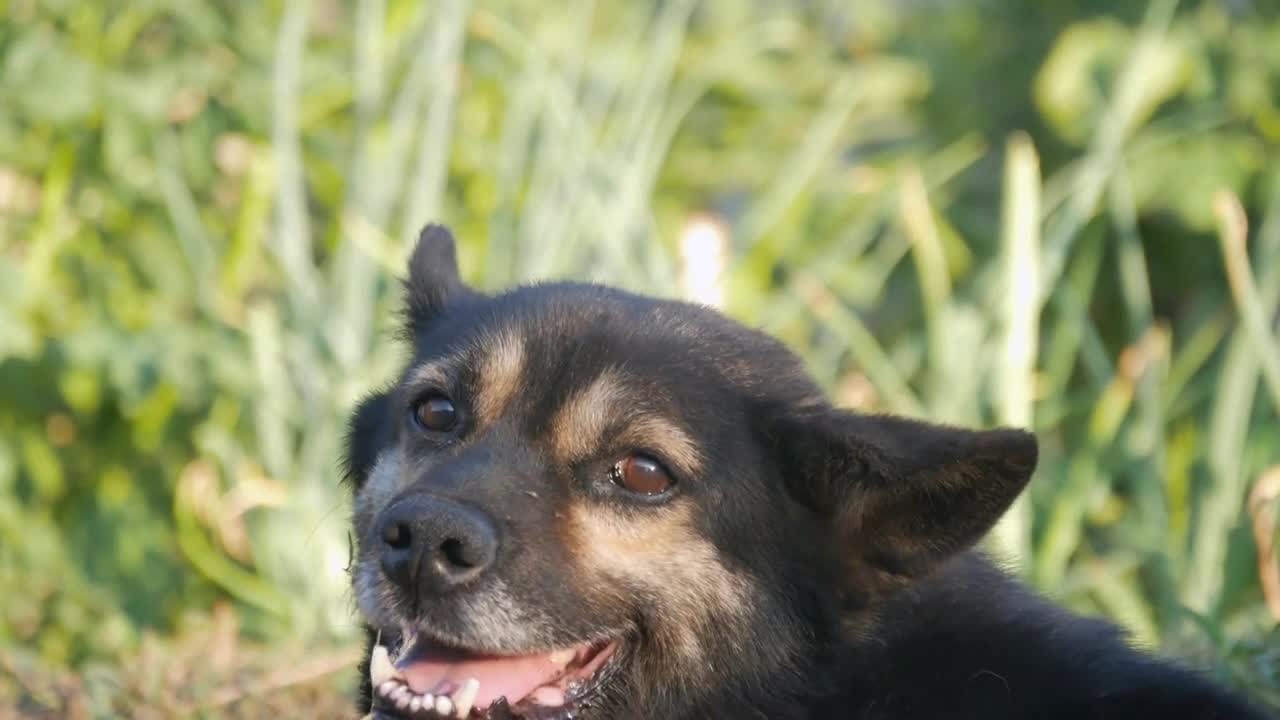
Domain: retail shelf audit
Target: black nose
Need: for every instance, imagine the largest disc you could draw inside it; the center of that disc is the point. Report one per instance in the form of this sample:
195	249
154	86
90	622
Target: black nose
431	545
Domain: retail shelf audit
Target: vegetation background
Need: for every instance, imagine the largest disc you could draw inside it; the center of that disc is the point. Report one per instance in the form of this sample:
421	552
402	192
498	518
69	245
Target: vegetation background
1062	215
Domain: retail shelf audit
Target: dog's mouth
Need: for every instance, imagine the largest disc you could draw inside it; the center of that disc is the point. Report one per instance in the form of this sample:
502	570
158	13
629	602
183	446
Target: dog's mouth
426	680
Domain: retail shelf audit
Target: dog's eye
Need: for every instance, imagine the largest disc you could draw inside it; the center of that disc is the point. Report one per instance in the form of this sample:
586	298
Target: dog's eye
642	474
435	412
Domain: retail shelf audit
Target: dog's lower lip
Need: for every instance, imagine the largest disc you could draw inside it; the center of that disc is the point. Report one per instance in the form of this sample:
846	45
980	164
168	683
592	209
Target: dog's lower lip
429	680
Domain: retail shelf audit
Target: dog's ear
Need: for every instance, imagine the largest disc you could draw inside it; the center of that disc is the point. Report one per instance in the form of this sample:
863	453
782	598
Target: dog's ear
901	495
434	280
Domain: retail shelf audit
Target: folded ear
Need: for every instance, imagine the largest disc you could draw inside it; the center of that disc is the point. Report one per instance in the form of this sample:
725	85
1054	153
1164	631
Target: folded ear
902	495
433	280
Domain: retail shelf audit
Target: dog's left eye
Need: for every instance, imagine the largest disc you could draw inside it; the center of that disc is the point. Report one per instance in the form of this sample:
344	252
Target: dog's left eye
642	475
435	413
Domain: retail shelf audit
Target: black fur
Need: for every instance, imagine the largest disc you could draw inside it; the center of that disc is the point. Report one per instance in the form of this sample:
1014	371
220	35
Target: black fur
856	532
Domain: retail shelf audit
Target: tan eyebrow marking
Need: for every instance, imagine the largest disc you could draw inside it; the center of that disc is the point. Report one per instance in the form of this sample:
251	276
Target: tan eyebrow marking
583	420
499	362
585	416
431	373
501	374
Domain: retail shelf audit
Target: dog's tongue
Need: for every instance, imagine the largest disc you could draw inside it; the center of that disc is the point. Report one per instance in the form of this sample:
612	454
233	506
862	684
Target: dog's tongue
441	671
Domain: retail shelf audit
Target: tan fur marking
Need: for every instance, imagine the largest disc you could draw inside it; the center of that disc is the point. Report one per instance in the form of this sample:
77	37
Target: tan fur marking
501	374
585	417
663	552
428	374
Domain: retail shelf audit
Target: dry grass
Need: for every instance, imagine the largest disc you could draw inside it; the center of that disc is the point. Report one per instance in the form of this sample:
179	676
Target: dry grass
207	672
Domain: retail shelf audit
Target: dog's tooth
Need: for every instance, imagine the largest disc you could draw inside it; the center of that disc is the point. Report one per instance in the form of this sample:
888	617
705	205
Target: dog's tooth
465	697
415	703
387	687
403	699
380	668
444	705
562	657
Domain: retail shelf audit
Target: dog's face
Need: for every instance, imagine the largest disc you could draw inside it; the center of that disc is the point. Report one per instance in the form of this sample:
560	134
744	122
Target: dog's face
578	502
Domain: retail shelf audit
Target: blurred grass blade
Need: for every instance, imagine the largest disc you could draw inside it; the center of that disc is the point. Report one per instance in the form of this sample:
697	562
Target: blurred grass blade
293	228
1073	334
1193	355
866	351
816	149
1222	501
215	565
1148	501
424	202
1128	99
1086	474
271	423
352	274
921	229
1264	502
926	247
188	228
1123	599
1232	233
1019	321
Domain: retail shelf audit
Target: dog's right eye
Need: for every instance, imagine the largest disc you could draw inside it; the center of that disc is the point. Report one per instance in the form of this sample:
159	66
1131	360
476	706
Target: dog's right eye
642	475
435	413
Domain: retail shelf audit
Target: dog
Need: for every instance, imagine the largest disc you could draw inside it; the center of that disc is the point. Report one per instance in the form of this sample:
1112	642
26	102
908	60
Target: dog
578	502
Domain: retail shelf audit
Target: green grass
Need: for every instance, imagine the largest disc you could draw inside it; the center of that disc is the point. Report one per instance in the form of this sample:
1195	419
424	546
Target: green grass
1065	218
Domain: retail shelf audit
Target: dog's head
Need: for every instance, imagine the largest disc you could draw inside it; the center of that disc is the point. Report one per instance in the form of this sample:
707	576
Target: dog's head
581	501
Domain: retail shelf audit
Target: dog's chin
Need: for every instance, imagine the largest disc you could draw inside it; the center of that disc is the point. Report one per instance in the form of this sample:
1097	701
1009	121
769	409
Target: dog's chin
418	677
